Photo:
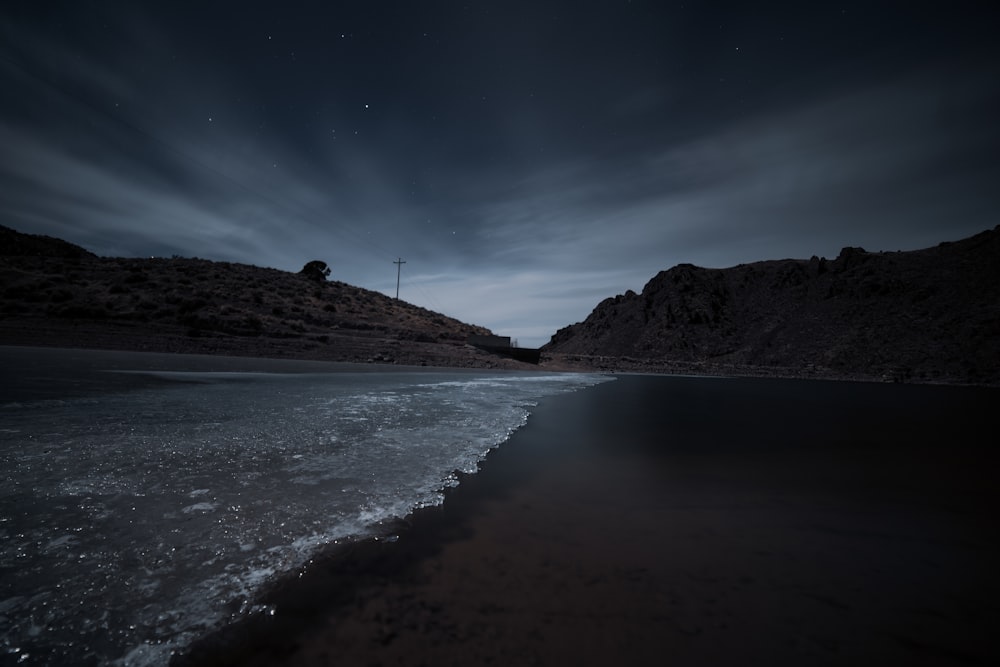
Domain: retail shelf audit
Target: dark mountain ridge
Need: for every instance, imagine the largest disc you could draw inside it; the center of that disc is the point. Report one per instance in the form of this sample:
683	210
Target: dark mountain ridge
923	315
55	293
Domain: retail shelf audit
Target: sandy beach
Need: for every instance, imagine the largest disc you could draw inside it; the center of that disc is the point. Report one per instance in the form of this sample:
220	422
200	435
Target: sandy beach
685	521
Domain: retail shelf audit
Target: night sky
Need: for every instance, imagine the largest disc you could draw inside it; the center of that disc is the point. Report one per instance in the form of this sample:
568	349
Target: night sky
526	160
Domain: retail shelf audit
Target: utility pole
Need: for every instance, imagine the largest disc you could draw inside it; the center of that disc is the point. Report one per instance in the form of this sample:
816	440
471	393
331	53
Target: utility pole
399	266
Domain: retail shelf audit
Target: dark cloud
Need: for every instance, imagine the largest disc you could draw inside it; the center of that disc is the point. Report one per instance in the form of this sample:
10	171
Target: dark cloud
527	160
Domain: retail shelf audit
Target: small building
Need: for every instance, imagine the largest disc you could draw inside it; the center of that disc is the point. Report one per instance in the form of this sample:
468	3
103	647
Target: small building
501	345
489	341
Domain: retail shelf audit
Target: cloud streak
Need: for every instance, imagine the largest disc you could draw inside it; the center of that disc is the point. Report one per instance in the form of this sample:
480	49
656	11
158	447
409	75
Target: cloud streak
880	167
520	216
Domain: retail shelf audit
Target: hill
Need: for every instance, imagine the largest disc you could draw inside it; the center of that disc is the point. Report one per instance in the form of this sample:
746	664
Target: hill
925	315
57	294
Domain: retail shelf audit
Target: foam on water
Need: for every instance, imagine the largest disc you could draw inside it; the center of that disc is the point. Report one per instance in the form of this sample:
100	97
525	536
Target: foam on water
131	523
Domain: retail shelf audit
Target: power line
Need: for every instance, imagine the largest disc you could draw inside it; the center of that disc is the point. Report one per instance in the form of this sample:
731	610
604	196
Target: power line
399	266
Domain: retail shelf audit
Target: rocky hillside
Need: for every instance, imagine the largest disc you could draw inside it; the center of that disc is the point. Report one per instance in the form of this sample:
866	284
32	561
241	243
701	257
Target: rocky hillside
925	315
56	293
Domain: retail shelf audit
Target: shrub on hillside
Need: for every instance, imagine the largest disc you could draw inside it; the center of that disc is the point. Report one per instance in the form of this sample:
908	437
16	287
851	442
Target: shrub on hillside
316	270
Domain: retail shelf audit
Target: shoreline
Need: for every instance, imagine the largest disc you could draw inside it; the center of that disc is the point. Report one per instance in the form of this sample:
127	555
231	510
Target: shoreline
89	370
365	350
339	348
585	541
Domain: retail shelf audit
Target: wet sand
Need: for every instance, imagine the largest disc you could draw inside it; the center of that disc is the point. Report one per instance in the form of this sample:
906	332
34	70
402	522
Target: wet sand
686	521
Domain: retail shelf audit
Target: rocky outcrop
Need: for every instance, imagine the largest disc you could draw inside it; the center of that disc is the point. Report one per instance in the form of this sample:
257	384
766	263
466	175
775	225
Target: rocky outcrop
55	293
925	315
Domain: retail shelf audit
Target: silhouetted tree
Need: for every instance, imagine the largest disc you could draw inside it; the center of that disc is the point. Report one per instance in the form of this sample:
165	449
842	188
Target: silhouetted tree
315	270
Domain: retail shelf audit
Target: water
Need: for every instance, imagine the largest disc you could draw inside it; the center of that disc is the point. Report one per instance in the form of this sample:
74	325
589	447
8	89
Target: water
149	506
